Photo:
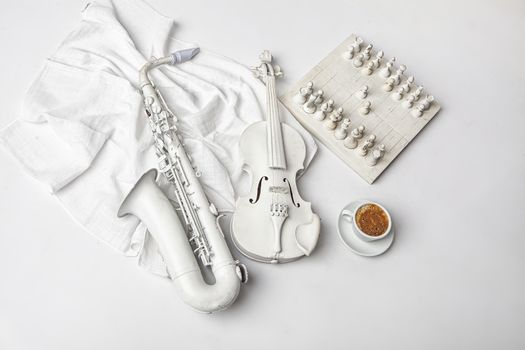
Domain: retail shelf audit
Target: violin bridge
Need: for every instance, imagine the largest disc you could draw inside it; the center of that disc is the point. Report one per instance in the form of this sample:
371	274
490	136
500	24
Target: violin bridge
279	213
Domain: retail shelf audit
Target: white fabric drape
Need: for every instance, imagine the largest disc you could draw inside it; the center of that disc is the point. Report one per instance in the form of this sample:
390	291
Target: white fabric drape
82	131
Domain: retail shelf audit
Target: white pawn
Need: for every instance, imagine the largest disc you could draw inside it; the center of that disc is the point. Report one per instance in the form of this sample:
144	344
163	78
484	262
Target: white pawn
369	143
360	131
409	102
427	101
304	93
398	95
366	52
387	70
399	73
418	111
330	106
389	84
321	113
369	69
377	154
335	117
342	130
349	54
310	106
356	46
371	139
407	84
319	97
377	60
363	92
365	108
358	61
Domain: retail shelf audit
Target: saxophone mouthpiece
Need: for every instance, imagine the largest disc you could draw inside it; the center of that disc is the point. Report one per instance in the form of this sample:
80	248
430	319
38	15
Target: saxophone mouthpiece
184	55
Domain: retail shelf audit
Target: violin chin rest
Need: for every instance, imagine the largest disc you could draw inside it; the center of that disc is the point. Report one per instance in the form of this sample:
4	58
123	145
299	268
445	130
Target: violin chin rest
307	235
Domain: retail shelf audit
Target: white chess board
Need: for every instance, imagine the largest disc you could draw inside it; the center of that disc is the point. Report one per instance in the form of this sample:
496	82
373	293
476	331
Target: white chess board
391	123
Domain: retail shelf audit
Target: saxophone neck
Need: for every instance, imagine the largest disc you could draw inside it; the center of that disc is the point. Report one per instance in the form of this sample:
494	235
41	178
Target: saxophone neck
176	57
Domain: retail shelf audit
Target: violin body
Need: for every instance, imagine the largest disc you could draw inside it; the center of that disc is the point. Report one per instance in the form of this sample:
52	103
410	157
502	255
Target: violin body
272	223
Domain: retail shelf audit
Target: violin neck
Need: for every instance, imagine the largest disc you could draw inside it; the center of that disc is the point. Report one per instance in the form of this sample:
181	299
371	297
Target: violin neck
276	155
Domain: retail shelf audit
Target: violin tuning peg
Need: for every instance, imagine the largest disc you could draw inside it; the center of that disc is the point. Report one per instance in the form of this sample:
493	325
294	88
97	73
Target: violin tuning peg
256	72
277	71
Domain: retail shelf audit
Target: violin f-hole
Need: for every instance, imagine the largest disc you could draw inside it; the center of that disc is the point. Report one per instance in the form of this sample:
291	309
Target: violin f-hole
291	193
252	201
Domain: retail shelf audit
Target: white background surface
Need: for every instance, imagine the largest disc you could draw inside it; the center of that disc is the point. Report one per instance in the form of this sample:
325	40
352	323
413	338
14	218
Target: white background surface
454	278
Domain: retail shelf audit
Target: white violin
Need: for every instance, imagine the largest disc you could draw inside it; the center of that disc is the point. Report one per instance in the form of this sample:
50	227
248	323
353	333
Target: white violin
273	224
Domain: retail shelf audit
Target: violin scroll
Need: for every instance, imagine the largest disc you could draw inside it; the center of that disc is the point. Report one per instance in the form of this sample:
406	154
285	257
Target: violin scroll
266	69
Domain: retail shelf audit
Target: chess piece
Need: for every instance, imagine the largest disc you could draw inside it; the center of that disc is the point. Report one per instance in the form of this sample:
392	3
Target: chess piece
399	74
321	113
418	111
356	46
377	154
318	97
330	106
407	84
398	95
417	92
310	106
389	84
333	119
369	143
350	141
359	131
304	93
363	92
409	102
366	52
377	59
371	139
358	61
369	69
365	108
349	54
342	130
427	101
387	70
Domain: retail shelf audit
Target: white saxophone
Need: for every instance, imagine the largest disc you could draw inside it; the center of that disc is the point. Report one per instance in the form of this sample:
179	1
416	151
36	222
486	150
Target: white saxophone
199	235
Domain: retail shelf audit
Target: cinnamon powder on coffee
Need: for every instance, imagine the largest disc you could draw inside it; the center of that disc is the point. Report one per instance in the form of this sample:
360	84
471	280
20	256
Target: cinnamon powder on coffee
372	220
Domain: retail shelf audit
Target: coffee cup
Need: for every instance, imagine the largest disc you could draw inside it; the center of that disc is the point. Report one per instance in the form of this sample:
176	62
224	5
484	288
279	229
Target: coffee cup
371	221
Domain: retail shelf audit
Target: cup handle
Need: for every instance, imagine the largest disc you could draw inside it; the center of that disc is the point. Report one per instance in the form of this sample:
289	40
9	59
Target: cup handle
348	214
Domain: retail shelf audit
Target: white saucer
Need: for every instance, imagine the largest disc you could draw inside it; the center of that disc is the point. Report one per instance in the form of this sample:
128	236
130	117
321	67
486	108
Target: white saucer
356	244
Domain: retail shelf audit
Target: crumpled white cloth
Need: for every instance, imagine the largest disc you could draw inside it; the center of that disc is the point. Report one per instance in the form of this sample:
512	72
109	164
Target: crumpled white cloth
82	130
